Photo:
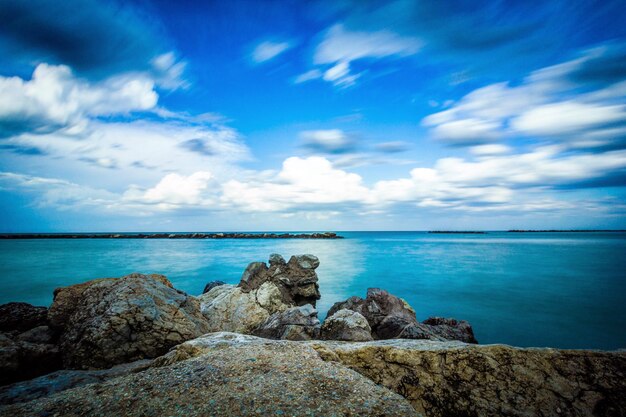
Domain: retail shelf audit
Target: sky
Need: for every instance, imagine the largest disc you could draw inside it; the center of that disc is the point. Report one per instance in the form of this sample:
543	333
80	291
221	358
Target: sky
152	115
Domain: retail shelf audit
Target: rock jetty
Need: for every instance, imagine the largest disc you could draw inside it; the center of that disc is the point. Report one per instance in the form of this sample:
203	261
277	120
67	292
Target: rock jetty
136	346
325	235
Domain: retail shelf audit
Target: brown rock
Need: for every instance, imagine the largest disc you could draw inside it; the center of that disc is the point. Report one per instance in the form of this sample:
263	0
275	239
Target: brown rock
110	321
443	379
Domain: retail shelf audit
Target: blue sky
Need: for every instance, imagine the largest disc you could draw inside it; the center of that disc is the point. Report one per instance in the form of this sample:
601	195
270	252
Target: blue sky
317	115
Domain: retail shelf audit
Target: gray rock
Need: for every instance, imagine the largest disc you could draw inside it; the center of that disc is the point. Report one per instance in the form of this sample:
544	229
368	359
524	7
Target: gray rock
41	334
229	308
391	317
295	323
21	317
227	374
296	279
212	285
346	325
307	261
111	321
451	329
276	259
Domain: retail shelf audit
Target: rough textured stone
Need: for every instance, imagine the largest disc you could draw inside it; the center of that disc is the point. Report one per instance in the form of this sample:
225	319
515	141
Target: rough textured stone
21	360
296	279
212	285
110	321
456	379
295	323
346	325
451	329
21	317
228	375
391	317
65	379
262	291
228	308
41	334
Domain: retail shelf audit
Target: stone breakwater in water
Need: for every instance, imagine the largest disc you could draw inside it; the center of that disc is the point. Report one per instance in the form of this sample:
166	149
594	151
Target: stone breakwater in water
135	345
325	235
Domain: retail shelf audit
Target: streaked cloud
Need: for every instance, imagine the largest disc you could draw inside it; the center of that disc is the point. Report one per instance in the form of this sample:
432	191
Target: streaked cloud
327	141
268	50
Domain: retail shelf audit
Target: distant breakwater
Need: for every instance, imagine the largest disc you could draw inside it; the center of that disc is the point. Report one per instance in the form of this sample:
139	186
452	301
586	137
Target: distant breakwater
325	235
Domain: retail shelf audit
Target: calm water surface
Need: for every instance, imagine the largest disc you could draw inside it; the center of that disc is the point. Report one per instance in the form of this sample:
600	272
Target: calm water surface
542	289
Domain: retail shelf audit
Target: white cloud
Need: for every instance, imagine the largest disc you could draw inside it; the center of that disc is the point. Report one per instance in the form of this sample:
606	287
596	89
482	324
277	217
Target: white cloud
567	117
490	149
331	140
339	75
54	99
308	76
547	105
467	131
301	183
268	50
57	193
341	44
170	71
173	191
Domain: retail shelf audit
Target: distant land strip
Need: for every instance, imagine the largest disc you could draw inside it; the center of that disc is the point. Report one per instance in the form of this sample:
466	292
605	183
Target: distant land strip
325	235
567	231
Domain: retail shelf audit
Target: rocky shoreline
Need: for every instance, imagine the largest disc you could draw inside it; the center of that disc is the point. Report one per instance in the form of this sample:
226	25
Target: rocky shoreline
137	346
325	235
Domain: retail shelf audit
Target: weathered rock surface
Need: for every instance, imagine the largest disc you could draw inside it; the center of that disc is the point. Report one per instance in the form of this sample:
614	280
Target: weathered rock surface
296	279
295	323
59	381
212	285
229	308
22	359
21	316
110	321
346	325
456	379
391	317
262	292
451	329
228	375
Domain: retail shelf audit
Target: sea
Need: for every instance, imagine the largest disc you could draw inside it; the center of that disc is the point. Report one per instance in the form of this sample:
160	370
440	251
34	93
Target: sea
562	290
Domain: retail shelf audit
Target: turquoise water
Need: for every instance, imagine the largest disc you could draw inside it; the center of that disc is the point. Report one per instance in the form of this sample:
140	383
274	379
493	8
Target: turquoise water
563	290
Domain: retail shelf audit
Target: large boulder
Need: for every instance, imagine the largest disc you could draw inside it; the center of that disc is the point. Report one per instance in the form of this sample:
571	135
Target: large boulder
228	374
346	325
229	308
111	321
263	291
451	378
21	316
296	279
295	323
391	317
